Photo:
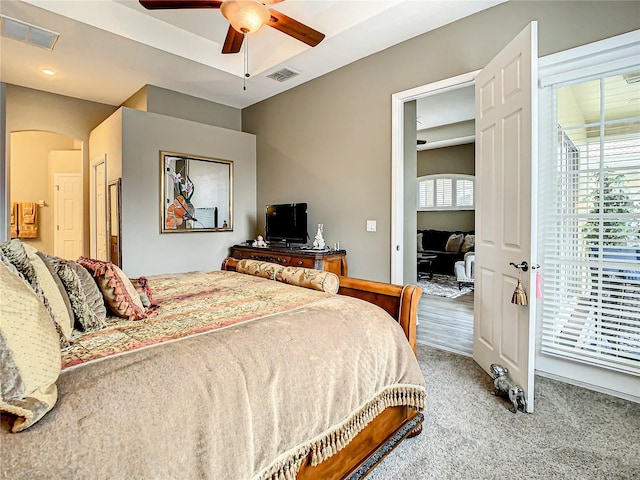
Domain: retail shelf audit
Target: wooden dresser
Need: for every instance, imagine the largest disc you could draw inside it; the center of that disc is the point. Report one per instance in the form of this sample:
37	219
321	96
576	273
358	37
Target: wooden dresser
330	260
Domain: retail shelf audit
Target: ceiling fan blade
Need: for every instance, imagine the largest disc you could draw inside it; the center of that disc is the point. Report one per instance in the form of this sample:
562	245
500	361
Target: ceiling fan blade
233	41
173	4
295	29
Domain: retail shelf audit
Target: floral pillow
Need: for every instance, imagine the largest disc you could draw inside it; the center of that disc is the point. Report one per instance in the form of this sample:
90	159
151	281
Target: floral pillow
120	295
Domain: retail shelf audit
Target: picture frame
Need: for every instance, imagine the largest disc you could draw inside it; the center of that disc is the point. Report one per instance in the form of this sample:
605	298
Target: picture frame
196	193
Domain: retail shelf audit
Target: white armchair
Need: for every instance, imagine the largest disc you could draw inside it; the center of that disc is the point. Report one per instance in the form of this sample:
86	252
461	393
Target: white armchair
464	269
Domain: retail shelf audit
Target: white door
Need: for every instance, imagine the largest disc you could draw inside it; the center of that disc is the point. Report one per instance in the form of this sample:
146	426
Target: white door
100	192
506	151
67	215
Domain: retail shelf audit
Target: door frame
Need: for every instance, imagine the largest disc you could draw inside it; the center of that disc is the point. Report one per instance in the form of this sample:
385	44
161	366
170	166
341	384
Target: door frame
100	159
397	162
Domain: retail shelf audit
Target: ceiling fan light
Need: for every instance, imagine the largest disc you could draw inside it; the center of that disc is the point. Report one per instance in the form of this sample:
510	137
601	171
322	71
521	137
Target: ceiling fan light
245	16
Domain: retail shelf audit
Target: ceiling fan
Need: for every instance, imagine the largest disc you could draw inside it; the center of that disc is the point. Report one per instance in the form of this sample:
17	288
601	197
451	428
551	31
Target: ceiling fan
245	17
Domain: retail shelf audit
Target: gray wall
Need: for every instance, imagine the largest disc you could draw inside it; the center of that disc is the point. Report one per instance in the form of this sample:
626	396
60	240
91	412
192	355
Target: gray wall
328	142
144	250
457	159
179	105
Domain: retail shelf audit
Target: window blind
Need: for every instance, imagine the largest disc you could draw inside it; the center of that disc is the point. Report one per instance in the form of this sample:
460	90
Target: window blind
590	225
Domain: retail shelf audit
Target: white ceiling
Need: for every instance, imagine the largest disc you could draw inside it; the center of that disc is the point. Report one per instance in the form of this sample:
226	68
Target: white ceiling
109	49
447	118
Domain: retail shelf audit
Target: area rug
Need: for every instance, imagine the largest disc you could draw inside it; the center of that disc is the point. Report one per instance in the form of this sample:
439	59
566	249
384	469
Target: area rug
443	286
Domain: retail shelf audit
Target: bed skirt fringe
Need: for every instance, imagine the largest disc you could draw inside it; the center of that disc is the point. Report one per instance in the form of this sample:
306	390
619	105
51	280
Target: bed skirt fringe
328	444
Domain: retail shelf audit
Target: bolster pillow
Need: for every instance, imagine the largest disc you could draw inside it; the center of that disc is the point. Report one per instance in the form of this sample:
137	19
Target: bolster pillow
302	277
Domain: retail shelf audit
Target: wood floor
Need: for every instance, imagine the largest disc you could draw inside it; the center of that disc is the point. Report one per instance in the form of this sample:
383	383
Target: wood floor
446	323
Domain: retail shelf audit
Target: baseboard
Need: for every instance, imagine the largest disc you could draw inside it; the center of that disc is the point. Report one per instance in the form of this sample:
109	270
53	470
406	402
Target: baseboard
588	386
447	349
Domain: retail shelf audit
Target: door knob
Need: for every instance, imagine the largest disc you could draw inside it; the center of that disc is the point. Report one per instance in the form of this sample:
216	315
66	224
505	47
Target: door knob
524	266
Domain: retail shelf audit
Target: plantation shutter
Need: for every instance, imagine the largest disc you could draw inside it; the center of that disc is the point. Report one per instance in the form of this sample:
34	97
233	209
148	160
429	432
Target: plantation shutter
425	193
590	223
446	192
464	193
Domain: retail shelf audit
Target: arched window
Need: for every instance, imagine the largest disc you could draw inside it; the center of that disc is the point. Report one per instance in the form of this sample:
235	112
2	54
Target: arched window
446	192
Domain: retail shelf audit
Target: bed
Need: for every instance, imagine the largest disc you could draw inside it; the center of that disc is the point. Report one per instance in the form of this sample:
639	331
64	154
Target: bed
233	376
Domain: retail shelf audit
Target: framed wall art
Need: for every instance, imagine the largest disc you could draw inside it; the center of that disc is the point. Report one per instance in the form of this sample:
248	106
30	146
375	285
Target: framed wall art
196	193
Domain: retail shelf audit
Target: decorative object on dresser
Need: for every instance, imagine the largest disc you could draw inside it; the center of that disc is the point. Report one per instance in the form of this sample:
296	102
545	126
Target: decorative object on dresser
318	241
259	242
329	260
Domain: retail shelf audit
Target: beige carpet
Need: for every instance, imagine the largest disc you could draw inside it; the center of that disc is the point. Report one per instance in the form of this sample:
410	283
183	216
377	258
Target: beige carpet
470	434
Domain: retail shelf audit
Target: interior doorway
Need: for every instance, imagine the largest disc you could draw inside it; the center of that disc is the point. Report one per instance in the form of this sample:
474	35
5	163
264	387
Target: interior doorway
445	127
35	159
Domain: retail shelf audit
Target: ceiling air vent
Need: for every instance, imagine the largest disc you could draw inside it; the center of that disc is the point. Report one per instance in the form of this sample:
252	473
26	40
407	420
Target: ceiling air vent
283	75
25	32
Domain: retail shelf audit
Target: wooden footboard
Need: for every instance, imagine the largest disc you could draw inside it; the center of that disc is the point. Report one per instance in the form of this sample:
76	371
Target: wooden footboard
389	428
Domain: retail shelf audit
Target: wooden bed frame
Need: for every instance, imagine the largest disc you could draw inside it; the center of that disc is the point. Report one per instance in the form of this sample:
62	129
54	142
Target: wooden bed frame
387	430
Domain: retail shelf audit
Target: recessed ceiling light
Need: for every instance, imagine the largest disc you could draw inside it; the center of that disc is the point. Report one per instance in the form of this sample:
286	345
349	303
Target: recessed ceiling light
46	71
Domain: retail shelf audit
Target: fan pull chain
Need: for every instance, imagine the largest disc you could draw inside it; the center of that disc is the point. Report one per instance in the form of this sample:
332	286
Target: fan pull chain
246	62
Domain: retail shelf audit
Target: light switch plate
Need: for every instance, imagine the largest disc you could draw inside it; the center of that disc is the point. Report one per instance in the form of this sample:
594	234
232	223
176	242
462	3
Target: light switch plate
371	225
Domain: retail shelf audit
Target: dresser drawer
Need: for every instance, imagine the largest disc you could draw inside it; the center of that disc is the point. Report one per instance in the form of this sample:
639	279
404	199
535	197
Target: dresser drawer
302	262
269	257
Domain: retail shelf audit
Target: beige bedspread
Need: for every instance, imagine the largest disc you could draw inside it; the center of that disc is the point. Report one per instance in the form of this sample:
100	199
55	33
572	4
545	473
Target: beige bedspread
241	402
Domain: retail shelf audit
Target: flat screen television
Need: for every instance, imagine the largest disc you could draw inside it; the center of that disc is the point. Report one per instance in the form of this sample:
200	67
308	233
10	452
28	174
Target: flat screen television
287	223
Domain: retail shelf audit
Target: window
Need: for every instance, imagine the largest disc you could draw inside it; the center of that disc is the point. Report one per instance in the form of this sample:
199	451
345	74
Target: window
446	192
590	234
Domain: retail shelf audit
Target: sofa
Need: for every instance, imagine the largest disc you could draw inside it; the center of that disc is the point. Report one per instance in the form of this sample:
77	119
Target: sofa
449	247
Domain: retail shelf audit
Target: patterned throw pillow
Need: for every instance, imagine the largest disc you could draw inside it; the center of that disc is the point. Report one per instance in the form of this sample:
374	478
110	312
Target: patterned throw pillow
468	244
85	317
454	243
14	251
309	278
93	295
119	293
49	283
29	353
